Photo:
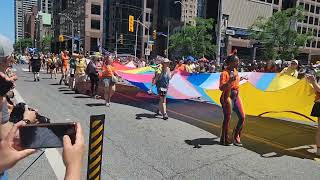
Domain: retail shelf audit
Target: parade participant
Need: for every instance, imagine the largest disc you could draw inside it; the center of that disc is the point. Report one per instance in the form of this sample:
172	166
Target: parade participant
72	65
316	109
161	80
36	66
65	67
81	66
92	72
53	65
109	79
229	85
292	70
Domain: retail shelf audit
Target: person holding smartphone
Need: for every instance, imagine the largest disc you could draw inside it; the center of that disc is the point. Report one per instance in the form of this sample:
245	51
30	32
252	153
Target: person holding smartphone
230	100
316	108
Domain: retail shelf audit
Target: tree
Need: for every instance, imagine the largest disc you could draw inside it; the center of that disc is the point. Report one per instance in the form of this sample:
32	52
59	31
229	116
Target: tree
22	44
278	36
46	43
194	40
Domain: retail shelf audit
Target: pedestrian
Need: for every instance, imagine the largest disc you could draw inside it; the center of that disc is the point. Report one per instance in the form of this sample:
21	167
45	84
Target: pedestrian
72	70
81	66
161	80
36	66
316	109
92	72
65	67
180	66
53	65
110	79
229	85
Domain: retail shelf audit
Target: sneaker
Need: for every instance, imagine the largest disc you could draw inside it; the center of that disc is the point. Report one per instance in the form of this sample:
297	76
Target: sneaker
150	92
225	142
239	144
108	104
35	80
38	79
158	113
165	116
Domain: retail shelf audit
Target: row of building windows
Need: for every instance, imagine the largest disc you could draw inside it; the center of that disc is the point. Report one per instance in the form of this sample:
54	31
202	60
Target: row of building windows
270	1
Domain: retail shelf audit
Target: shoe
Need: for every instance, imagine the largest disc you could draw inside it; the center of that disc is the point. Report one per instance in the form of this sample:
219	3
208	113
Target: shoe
165	116
38	79
108	104
60	82
225	142
158	113
239	144
150	92
35	80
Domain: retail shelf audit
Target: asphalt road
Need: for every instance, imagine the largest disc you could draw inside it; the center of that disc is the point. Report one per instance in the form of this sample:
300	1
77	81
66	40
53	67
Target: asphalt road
138	145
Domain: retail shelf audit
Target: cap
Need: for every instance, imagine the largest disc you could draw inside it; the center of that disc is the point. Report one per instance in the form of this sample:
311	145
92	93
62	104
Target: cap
6	47
166	60
296	61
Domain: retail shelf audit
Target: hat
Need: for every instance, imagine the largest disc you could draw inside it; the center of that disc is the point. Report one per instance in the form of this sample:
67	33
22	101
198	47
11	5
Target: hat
231	58
166	60
296	61
97	54
6	47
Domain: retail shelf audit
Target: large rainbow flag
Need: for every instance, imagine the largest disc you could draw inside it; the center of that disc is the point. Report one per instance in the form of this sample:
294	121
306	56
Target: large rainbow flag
263	94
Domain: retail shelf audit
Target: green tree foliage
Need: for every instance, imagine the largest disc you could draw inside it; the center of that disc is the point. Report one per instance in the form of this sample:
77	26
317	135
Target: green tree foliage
22	44
194	40
46	43
278	36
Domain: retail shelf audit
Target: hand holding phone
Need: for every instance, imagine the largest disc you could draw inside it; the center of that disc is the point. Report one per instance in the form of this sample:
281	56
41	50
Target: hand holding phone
36	136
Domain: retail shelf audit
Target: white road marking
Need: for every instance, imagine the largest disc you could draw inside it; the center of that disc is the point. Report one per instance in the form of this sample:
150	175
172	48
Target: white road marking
27	70
53	156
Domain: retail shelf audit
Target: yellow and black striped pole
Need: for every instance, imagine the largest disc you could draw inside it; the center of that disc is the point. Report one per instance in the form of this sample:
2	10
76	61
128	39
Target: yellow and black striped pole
95	147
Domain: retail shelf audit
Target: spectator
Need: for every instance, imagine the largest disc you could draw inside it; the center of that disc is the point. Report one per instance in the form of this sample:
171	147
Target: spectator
292	70
80	70
181	66
189	67
270	67
92	72
72	64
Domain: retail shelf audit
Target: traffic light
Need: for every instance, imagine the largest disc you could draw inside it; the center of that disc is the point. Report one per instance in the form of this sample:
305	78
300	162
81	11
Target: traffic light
131	23
121	39
61	38
154	34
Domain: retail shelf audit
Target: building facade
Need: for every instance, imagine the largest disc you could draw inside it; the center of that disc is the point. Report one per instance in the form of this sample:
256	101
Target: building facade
21	7
202	8
189	11
87	18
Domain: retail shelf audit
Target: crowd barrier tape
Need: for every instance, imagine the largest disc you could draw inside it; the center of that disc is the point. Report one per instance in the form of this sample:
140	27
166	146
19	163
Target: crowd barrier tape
95	149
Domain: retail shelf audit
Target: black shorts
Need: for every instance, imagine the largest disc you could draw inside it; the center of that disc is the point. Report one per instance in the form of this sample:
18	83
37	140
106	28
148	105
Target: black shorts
162	92
316	110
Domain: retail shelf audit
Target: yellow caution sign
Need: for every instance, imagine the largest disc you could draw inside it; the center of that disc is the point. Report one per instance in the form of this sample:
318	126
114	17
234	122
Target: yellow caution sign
95	147
131	23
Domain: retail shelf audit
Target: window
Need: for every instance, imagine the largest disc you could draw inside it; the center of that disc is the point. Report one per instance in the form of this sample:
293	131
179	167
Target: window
94	44
316	21
275	10
147	17
319	34
299	29
306	7
276	2
95	9
95	24
312	8
269	1
310	20
301	4
317	10
304	30
318	44
313	44
314	32
305	19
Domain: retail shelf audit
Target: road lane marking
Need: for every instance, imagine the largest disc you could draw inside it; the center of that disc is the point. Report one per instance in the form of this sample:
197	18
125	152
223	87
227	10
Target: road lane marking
53	156
249	136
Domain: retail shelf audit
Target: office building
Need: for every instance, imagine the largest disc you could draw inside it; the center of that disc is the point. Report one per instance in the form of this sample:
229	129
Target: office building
189	11
87	18
21	7
202	8
45	6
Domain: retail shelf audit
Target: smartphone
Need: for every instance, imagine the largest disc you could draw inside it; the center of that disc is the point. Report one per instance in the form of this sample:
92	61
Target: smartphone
37	136
5	86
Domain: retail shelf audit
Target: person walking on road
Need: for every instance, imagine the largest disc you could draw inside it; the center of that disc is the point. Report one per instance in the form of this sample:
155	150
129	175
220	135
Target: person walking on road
92	72
316	109
65	67
36	66
161	79
109	79
72	71
53	65
229	85
81	66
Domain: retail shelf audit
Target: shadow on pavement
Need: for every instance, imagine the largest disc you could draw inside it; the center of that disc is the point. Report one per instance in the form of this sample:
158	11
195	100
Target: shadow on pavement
55	84
95	104
65	90
266	136
146	115
70	93
198	143
82	97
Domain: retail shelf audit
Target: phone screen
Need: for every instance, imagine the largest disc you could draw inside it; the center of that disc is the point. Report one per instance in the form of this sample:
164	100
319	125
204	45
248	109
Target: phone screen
36	136
5	86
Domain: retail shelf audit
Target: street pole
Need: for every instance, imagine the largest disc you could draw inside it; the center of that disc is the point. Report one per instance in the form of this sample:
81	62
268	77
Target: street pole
218	57
72	33
168	39
135	47
148	43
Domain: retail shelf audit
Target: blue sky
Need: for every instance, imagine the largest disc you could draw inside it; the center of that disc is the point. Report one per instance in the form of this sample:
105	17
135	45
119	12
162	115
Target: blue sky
7	19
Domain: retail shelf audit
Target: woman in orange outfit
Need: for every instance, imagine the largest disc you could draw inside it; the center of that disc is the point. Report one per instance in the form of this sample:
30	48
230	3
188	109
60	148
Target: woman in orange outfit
65	66
230	100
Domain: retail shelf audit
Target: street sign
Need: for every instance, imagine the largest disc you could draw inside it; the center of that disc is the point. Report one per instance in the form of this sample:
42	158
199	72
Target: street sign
230	32
147	52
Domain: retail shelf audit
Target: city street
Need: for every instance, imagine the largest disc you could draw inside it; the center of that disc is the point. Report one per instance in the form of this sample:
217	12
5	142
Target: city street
139	146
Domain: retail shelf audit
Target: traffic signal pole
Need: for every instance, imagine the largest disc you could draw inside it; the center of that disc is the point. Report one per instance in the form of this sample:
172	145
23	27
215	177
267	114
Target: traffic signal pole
135	47
116	43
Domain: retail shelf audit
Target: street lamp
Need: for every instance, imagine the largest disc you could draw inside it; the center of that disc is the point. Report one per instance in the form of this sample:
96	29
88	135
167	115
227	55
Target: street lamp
72	34
182	10
168	38
138	22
